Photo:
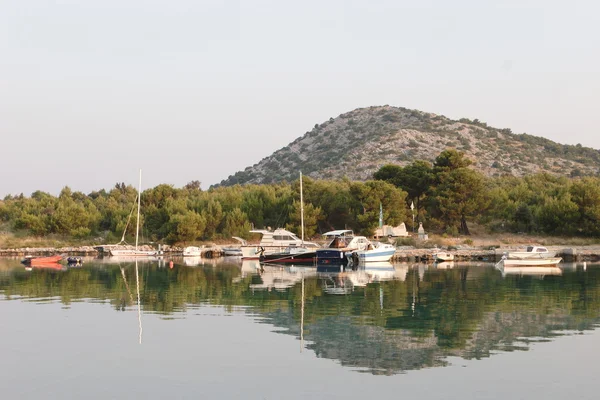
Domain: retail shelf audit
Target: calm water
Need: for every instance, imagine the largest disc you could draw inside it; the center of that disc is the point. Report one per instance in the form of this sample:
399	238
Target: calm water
230	330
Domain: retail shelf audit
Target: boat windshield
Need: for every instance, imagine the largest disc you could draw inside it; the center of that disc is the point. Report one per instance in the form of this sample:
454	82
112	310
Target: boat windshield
340	242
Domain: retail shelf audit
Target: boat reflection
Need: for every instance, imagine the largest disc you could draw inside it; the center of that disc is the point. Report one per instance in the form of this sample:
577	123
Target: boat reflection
277	277
49	265
344	281
192	261
530	271
444	265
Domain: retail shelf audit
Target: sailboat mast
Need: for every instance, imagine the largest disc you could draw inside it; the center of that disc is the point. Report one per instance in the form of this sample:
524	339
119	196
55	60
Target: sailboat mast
137	228
301	209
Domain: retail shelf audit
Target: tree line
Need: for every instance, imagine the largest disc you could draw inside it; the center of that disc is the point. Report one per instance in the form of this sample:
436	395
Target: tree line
188	214
447	194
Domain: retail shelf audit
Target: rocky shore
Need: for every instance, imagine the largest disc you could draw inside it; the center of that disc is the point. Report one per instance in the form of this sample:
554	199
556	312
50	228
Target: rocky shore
582	253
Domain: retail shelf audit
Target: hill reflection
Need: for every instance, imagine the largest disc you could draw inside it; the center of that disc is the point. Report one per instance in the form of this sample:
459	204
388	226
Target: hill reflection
381	319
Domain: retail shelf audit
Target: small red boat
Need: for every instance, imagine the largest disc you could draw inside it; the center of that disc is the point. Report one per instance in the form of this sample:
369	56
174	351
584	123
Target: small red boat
41	260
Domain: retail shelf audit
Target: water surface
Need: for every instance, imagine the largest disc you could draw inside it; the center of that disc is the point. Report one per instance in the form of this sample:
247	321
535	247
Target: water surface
228	329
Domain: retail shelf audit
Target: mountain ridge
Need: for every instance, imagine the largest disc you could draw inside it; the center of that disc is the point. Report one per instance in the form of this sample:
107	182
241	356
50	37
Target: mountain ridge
359	142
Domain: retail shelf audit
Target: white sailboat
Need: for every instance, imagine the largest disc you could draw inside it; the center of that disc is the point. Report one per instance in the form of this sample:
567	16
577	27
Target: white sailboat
136	251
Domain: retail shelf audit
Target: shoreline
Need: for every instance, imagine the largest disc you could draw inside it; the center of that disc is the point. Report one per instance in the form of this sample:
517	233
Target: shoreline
404	253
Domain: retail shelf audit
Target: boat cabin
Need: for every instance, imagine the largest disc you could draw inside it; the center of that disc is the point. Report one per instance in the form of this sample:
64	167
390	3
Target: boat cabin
345	239
536	249
281	238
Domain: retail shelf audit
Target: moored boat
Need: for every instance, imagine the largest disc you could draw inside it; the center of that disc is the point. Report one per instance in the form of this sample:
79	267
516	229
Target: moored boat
376	252
442	256
231	251
275	241
530	252
291	255
29	260
342	246
192	251
134	252
534	262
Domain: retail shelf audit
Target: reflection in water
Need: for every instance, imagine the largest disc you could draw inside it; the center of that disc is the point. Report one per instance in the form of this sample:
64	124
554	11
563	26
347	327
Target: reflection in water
378	318
139	307
530	271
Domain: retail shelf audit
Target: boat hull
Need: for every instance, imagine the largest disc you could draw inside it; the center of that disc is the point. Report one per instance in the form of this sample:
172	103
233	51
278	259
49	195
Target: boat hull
533	262
376	255
306	258
192	251
331	257
133	253
41	260
444	257
254	252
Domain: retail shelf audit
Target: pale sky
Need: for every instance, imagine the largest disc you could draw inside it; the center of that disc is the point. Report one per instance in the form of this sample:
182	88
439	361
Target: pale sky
93	90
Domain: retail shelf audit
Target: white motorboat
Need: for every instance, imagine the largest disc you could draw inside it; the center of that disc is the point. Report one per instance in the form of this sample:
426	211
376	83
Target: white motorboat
444	256
342	248
530	252
192	251
273	242
533	262
376	252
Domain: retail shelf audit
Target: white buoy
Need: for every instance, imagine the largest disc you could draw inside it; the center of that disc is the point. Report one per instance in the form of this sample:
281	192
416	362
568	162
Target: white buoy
584	265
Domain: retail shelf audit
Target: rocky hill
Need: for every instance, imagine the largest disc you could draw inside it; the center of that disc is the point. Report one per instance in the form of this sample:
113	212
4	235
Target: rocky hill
359	142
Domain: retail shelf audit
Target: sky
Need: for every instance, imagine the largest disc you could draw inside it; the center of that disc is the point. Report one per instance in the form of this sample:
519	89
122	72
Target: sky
91	91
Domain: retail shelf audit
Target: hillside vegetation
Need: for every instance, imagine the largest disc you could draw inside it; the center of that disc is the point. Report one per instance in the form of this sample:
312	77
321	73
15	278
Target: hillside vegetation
358	143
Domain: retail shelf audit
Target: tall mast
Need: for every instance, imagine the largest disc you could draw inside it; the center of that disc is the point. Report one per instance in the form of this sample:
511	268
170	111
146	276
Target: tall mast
137	228
301	208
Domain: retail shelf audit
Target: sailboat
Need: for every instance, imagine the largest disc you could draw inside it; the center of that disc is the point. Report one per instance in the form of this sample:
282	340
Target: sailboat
303	253
136	251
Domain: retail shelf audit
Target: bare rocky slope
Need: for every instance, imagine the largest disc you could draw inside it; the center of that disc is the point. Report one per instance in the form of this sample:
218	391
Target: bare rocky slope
359	142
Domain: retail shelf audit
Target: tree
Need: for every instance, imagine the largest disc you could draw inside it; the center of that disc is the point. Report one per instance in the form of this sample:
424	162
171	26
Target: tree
312	216
458	192
367	198
236	224
415	179
193	185
186	227
213	214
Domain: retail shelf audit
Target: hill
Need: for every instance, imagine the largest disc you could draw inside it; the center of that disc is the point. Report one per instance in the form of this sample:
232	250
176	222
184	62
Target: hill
359	142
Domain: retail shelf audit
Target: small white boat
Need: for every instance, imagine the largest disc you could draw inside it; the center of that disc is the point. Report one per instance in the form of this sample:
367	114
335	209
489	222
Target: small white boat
444	256
532	262
192	251
376	252
530	252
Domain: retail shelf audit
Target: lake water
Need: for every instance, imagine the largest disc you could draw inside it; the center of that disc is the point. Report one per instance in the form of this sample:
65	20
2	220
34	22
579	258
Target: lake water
226	329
